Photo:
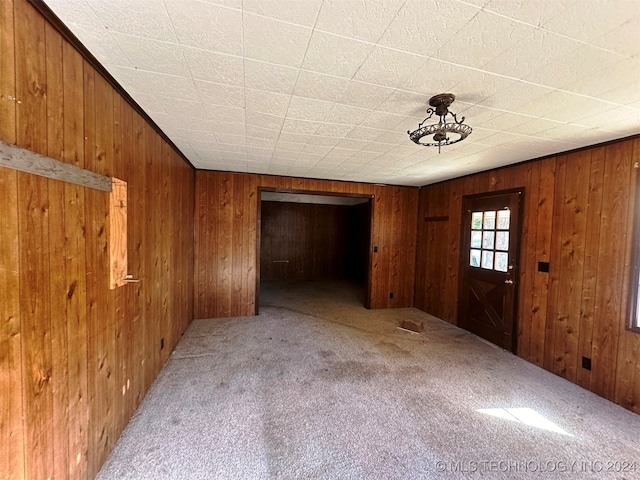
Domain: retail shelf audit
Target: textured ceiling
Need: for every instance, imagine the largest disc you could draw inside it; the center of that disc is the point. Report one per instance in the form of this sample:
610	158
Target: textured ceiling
329	88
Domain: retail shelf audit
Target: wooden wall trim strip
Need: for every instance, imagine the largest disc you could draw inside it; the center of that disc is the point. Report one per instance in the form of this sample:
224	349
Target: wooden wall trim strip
27	161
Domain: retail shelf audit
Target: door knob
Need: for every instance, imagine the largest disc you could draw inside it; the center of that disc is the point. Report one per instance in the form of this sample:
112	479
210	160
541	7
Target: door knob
508	281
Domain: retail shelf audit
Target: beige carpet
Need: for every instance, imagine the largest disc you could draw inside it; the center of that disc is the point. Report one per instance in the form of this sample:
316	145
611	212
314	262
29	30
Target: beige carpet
316	386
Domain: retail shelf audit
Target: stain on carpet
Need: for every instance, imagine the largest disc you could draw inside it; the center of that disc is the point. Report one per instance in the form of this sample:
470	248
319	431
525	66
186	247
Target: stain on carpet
351	371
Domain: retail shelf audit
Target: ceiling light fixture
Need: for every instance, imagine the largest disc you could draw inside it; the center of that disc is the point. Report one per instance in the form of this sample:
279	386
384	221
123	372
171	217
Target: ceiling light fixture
437	133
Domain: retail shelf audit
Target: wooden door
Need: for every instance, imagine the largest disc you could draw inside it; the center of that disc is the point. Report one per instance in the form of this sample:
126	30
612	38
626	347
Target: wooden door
488	290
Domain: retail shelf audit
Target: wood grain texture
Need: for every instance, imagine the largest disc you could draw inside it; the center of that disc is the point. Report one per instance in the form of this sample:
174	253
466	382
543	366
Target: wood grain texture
304	241
578	217
7	73
35	314
590	273
57	264
118	265
224	233
627	392
30	162
11	376
30	78
545	184
75	355
610	305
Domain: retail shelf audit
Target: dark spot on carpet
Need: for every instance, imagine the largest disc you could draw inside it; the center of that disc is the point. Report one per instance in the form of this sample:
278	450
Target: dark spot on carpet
351	371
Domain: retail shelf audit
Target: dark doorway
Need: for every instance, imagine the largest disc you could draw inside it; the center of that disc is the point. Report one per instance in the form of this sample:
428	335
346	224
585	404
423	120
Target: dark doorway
311	237
490	247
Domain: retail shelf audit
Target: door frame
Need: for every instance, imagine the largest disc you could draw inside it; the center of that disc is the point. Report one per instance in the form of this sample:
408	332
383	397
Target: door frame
517	270
369	197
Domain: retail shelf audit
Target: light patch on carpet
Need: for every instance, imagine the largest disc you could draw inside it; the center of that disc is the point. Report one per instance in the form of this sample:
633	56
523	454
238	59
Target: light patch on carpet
524	415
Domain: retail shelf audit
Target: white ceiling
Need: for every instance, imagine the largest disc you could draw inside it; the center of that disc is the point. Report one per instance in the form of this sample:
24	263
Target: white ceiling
329	88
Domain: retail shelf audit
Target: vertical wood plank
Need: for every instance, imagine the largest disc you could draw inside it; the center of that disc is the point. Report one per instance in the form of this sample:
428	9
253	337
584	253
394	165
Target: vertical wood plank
422	252
627	391
74	259
252	232
7	74
554	268
153	288
100	318
134	153
33	211
592	244
239	251
73	114
527	264
35	309
213	222
76	325
448	197
12	454
609	286
199	262
571	263
58	280
544	229
31	116
225	242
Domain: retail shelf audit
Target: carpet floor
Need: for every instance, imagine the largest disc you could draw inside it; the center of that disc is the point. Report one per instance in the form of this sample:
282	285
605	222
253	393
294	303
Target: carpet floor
318	387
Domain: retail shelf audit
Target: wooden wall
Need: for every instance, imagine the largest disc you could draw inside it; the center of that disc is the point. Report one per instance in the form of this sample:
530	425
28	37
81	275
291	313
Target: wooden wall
303	241
226	239
76	358
578	216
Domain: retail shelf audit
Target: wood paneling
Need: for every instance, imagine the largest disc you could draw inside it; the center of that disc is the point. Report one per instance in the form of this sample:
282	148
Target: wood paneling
11	368
76	357
11	374
304	241
577	216
226	239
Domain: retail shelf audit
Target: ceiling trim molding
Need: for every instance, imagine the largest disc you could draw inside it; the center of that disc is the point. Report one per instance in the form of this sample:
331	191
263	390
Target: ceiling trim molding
56	23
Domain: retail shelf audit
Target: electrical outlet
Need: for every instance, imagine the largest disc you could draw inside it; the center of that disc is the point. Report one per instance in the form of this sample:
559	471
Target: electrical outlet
586	363
162	343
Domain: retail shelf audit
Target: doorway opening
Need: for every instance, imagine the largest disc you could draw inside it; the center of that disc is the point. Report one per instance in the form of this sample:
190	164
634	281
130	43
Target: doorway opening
306	237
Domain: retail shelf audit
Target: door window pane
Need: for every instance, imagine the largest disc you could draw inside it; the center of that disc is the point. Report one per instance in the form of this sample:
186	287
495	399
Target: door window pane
475	258
503	219
502	241
488	239
489	220
476	221
502	261
487	259
476	239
